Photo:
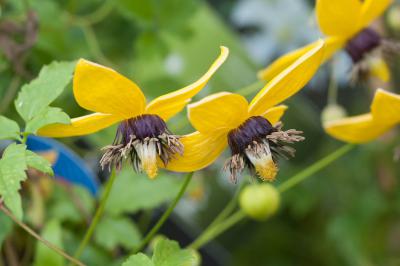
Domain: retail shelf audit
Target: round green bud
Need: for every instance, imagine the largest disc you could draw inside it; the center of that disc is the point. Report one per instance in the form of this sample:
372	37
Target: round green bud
393	17
259	201
333	112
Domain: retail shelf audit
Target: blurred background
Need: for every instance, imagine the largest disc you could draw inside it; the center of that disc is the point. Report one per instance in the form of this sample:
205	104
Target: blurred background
347	214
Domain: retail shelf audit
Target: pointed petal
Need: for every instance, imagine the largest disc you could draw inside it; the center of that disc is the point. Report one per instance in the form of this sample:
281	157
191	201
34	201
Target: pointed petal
289	81
274	114
200	150
218	112
166	106
332	45
80	126
372	9
356	129
101	89
338	17
385	107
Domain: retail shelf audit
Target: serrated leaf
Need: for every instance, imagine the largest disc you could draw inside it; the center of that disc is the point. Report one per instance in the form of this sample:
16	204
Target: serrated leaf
117	231
168	253
39	93
50	115
45	256
9	129
12	173
139	259
38	162
140	192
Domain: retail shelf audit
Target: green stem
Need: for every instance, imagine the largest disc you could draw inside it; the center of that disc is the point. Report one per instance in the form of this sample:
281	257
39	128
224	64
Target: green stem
333	86
218	229
166	214
38	237
10	94
315	167
97	216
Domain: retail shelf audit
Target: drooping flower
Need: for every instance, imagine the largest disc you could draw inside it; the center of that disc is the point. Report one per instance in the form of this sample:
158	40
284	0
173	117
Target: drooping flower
384	115
252	131
345	24
142	135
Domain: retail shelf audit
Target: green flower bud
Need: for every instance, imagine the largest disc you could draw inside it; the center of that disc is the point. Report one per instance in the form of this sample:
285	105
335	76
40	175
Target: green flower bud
259	201
333	112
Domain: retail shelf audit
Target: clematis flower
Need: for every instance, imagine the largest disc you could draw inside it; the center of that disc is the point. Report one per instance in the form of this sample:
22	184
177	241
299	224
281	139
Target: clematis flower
384	115
345	24
142	135
252	131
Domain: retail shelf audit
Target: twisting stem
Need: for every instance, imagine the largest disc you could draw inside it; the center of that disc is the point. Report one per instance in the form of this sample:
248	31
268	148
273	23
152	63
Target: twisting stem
97	216
9	94
166	214
38	237
315	167
218	229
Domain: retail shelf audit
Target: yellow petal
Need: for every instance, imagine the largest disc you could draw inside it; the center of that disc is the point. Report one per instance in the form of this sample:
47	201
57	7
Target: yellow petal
274	114
332	44
80	126
289	81
166	106
356	129
385	107
218	112
200	150
372	9
379	69
101	89
338	17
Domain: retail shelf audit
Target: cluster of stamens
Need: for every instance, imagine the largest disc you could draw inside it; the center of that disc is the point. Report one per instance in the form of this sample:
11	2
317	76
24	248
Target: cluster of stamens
143	139
258	145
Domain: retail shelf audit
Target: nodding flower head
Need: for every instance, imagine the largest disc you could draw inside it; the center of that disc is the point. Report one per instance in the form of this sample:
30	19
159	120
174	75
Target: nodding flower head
142	139
142	135
258	145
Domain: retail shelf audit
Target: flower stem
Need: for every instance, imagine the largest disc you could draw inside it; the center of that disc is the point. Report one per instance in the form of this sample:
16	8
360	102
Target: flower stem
166	214
97	216
218	229
315	167
220	224
38	237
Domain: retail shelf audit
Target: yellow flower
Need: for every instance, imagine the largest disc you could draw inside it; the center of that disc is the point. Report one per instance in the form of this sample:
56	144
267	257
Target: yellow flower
384	115
251	130
142	134
345	24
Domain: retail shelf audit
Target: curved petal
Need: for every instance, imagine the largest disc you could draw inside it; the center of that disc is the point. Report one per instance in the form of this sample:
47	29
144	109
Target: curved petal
200	150
372	9
166	106
289	81
218	112
385	107
338	17
356	129
332	44
80	126
101	89
274	114
379	69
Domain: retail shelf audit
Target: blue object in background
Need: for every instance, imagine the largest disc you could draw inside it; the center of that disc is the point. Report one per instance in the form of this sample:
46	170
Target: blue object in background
67	164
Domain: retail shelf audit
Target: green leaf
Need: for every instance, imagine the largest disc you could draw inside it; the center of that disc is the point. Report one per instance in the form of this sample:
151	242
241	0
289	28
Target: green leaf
168	253
6	226
50	115
112	232
45	256
12	172
35	96
139	259
9	129
38	162
132	192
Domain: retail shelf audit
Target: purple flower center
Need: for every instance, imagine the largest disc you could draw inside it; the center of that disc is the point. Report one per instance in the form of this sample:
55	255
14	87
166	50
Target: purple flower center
362	44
